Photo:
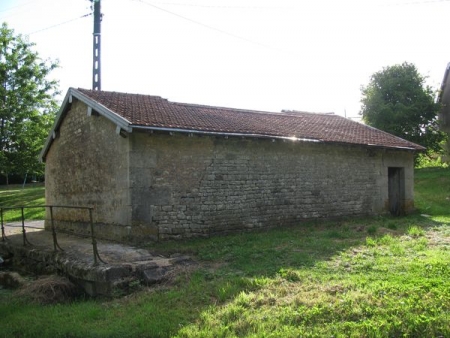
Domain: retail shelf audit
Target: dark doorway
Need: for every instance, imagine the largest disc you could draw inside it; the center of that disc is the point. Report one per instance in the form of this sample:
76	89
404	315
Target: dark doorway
396	178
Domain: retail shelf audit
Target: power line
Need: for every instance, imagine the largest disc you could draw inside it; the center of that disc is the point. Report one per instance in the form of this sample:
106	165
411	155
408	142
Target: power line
59	24
211	27
216	6
16	11
13	7
421	2
413	2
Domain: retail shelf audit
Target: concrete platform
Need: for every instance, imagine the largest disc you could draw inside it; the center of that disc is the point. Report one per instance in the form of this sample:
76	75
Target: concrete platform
121	264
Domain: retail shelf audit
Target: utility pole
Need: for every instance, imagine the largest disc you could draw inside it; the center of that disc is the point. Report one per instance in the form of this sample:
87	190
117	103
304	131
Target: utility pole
96	70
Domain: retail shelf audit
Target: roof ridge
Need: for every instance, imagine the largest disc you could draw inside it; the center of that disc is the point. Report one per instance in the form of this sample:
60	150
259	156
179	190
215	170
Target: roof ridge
293	111
123	93
243	110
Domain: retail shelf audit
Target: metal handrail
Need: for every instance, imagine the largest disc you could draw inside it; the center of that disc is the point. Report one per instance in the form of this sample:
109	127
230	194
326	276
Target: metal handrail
56	246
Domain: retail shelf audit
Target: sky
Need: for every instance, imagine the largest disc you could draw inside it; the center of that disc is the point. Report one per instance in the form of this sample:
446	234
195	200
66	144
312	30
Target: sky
269	55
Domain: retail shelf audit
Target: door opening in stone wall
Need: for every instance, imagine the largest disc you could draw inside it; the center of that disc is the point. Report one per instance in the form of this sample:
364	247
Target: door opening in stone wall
396	181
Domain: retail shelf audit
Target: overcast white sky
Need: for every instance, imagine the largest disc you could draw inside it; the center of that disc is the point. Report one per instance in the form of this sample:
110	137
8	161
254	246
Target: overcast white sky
256	54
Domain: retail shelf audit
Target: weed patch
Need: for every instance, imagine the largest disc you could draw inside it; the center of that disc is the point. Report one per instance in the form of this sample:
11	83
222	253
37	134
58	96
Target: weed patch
415	231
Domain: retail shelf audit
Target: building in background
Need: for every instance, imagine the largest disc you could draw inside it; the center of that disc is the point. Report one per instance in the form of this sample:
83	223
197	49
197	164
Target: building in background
444	114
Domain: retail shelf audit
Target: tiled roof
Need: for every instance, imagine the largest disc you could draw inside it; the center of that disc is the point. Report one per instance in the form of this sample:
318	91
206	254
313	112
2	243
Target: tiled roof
155	112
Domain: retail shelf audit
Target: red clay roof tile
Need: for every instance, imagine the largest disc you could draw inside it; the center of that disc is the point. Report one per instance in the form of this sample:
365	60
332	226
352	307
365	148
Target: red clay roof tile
154	111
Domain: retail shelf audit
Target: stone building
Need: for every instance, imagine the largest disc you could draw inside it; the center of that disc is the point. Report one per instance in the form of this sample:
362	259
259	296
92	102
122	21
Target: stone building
444	113
155	169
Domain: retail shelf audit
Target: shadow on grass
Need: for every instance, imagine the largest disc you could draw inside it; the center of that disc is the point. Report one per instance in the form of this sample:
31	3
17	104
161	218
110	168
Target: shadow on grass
228	265
246	262
23	197
266	252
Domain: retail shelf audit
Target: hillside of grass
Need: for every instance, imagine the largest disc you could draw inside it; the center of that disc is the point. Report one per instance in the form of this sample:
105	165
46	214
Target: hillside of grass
376	277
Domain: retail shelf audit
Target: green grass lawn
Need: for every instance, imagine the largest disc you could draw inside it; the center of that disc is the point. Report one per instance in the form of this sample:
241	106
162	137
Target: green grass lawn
377	277
17	197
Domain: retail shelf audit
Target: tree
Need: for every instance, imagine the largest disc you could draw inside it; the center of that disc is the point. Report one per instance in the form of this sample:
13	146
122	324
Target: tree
397	101
27	104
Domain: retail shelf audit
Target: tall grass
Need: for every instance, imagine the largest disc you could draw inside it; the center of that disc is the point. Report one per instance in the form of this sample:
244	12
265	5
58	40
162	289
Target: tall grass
376	277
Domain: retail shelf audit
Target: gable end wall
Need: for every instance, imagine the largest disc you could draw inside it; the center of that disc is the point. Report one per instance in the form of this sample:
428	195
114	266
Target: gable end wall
87	165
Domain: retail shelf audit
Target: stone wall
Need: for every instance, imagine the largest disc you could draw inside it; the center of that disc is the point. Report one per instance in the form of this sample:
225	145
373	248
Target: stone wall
87	165
156	186
197	186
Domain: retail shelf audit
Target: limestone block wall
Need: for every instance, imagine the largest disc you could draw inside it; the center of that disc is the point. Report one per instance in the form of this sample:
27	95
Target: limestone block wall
198	186
156	186
87	165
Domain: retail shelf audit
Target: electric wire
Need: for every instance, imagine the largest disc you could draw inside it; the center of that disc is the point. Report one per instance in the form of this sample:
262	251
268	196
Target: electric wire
421	2
59	24
213	28
278	7
14	7
216	6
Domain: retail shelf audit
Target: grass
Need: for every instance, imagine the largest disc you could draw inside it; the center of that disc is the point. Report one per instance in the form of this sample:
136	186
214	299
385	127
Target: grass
18	196
372	277
432	192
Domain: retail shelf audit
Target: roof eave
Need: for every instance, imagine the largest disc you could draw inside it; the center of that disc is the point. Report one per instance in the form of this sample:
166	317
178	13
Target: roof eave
414	149
51	136
102	110
65	106
274	137
444	83
225	134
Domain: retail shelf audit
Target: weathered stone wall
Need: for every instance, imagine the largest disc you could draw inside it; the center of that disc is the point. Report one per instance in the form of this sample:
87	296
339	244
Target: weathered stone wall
87	165
160	186
195	186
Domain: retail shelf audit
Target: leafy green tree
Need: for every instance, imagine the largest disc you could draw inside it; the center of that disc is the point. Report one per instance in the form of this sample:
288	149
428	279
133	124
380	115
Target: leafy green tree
397	101
27	104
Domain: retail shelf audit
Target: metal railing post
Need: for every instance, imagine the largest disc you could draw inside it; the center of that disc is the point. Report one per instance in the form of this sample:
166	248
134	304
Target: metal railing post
24	233
55	240
3	226
94	241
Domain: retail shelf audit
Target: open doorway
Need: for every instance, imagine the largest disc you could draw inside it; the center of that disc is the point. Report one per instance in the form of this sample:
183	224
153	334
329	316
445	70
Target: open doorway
396	183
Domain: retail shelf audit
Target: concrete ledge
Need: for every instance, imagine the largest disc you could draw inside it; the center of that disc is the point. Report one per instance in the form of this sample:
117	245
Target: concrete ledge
124	263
